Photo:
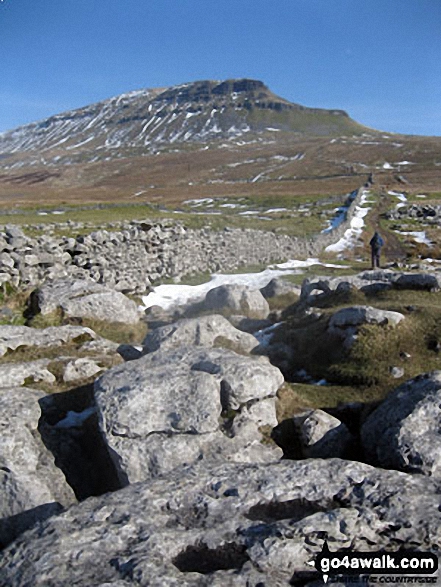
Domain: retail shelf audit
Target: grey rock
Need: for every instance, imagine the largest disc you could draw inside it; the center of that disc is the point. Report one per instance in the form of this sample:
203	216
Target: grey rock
320	435
250	325
14	337
100	346
227	525
28	476
80	369
418	281
279	287
403	432
397	372
51	296
206	331
17	374
358	315
165	409
237	299
130	352
111	306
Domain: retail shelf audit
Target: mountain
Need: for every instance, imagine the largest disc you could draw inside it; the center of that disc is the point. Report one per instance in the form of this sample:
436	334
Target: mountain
182	140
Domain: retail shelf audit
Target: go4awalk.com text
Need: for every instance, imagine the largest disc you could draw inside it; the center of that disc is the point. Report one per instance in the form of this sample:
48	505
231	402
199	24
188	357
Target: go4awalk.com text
407	567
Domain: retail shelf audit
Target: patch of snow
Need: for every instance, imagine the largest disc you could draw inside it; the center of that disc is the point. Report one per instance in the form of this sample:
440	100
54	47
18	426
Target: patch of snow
249	213
355	230
265	335
168	296
273	129
75	419
398	195
387	165
275	210
257	177
81	144
405	163
421	196
418	236
199	201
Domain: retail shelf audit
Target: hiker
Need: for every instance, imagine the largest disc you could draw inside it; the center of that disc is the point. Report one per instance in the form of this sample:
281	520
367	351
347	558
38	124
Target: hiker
376	243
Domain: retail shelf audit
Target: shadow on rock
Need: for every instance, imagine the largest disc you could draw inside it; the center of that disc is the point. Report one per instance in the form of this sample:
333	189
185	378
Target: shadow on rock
69	429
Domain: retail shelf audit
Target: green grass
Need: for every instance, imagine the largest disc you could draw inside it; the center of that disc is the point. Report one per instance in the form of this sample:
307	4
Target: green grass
364	372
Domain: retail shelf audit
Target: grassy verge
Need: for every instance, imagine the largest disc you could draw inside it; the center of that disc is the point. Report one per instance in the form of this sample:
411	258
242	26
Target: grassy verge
363	372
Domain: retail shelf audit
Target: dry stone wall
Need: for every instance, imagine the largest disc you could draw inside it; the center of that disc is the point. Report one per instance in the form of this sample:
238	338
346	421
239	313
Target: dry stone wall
132	255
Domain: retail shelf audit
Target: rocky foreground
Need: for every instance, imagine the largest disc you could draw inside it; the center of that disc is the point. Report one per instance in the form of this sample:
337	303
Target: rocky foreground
171	467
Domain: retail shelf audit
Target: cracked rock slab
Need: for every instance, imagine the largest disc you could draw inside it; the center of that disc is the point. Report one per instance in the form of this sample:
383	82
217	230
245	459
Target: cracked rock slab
179	396
227	525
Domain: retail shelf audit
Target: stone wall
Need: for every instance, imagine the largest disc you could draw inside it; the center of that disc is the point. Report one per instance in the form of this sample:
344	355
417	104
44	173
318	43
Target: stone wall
135	254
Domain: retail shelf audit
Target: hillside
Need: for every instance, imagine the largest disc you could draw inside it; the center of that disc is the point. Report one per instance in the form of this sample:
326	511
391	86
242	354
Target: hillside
202	139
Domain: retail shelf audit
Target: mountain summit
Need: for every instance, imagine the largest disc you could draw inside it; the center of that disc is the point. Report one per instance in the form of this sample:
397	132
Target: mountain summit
198	112
203	139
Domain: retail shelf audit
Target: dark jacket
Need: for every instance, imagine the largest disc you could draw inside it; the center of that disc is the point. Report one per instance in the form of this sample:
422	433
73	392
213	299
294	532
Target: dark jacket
376	242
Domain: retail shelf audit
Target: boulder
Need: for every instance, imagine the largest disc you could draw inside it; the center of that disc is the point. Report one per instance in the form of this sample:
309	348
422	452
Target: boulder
84	299
14	337
418	281
109	306
315	434
165	409
32	486
403	432
52	295
237	299
279	287
359	315
207	331
82	368
228	525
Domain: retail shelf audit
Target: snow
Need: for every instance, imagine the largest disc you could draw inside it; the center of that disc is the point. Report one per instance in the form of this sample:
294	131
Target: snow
170	295
265	335
199	201
418	236
275	210
355	230
81	144
399	195
421	196
257	177
75	419
387	166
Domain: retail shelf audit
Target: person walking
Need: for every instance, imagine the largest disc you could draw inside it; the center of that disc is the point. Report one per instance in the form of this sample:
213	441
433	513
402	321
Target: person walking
376	243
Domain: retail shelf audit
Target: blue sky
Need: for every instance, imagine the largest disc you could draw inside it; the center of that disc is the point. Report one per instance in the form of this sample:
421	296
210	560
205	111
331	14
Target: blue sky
380	60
